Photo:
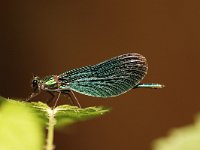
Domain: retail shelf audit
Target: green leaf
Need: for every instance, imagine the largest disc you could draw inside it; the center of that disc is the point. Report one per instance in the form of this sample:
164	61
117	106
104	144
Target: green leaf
184	138
67	114
20	128
64	114
22	122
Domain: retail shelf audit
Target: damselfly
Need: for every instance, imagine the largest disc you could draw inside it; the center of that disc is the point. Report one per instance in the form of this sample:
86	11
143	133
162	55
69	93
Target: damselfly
109	78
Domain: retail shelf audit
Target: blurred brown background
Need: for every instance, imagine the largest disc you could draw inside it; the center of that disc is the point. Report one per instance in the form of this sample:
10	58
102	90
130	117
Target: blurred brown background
50	37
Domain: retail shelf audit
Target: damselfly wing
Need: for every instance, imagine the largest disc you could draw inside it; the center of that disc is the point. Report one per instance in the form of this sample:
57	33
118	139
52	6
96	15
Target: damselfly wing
109	78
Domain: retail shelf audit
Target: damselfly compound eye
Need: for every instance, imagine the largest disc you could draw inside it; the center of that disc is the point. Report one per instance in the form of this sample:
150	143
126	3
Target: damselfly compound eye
34	83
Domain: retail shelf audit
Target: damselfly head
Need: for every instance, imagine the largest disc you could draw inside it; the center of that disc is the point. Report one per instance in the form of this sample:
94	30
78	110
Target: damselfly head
35	81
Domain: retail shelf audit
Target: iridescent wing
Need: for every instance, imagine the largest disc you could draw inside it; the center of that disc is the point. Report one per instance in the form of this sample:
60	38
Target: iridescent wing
106	79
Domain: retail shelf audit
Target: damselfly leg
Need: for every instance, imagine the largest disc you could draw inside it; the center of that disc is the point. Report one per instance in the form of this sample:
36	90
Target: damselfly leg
31	96
67	93
57	100
52	97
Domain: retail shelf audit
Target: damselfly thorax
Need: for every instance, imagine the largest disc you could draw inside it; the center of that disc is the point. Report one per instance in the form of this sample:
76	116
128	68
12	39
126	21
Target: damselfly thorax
50	83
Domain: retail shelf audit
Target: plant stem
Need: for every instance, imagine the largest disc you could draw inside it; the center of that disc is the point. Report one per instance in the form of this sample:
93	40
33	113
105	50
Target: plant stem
50	129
